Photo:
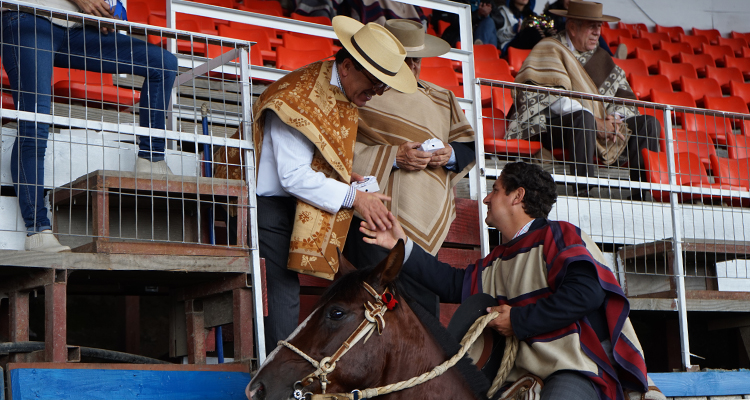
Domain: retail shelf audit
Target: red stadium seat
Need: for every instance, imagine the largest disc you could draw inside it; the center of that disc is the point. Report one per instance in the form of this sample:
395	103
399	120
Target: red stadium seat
688	168
718	53
316	20
91	87
138	11
613	36
699	61
442	62
696	42
183	46
732	104
634	43
493	128
732	175
643	84
695	142
738	146
654	38
490	69
673	31
713	35
444	77
298	41
485	52
740	35
674	49
290	60
256	57
262	7
675	99
741	90
265	11
723	76
737	44
674	72
516	58
652	57
716	127
699	88
632	66
743	64
204	24
259	36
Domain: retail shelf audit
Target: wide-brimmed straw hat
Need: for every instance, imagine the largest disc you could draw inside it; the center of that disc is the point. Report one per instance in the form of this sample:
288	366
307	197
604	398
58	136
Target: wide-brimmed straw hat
587	10
417	43
377	50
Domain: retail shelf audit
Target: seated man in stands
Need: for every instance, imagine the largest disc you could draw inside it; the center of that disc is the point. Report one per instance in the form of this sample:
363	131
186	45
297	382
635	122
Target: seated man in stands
390	134
31	46
572	60
555	294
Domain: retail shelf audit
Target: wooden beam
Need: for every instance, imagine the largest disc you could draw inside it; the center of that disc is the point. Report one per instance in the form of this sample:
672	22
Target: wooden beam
55	326
133	324
196	333
244	330
18	303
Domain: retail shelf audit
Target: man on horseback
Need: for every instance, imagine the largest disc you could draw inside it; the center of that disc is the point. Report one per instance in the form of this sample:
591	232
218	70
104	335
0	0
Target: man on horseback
554	292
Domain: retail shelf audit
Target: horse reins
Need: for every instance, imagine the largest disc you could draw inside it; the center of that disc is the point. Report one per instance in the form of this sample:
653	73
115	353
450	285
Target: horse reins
374	317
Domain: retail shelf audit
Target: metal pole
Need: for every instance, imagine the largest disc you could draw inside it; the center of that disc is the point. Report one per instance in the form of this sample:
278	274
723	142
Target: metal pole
677	241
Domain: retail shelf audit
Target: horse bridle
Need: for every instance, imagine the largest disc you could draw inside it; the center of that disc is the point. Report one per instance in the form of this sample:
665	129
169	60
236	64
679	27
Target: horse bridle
373	317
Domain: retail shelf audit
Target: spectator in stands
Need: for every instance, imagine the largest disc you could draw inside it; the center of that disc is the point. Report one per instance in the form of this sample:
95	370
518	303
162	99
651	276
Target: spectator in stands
304	135
379	11
483	25
391	131
517	25
555	293
558	22
572	60
31	46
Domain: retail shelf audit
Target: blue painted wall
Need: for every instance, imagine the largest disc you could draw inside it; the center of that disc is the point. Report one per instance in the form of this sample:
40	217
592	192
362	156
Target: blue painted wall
713	383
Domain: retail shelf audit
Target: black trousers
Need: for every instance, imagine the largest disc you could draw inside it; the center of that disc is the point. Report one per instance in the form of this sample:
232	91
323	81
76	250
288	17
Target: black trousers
576	133
364	255
275	223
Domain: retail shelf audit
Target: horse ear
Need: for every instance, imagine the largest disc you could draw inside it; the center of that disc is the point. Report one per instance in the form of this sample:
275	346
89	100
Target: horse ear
388	269
345	266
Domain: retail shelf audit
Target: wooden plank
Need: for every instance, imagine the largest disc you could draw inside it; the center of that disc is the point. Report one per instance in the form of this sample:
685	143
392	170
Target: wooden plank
55	325
159	248
458	258
651	304
713	383
465	228
127	381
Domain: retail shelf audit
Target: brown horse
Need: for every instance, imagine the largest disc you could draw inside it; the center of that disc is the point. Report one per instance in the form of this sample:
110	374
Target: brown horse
406	347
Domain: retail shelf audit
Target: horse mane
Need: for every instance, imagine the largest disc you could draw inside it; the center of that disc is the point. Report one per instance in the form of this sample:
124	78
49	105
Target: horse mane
348	287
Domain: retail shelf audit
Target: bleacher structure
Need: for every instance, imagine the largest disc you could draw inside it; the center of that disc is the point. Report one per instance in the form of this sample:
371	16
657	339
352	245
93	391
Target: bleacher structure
169	242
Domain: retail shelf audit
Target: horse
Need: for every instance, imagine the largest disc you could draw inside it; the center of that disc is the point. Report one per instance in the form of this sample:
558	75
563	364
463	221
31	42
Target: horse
332	351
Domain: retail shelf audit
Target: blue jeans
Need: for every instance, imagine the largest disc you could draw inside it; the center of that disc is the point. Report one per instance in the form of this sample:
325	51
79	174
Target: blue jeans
486	31
31	46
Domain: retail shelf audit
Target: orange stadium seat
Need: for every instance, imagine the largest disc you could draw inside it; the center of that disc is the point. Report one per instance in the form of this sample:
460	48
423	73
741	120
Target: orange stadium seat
675	71
743	64
316	20
89	86
516	58
299	41
491	69
633	44
740	35
259	36
290	60
675	99
699	88
654	38
732	175
713	35
204	24
716	127
613	37
270	32
718	53
652	57
444	77
256	57
723	76
731	104
688	168
737	44
675	48
138	11
437	62
183	46
220	3
699	61
643	84
493	128
631	66
262	5
272	11
696	42
696	142
485	52
673	31
741	90
738	146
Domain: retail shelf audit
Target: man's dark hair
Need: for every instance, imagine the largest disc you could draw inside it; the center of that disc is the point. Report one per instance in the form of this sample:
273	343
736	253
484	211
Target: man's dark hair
541	191
343	54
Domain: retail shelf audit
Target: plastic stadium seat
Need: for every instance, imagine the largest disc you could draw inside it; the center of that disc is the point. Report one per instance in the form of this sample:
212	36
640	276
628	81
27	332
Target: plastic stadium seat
270	32
652	57
440	62
698	143
634	43
262	7
516	58
259	36
502	99
741	90
220	3
674	49
688	168
493	127
738	146
718	53
673	31
746	52
493	123
723	76
205	25
298	41
316	20
653	37
743	64
490	69
675	99
7	101
138	11
731	104
613	37
699	61
89	86
737	44
256	57
699	88
717	127
632	66
732	175
696	42
633	28
713	35
444	77
674	72
290	60
740	35
643	84
183	46
485	52
158	8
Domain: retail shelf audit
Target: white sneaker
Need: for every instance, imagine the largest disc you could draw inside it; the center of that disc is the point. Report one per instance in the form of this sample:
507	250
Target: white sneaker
148	167
44	241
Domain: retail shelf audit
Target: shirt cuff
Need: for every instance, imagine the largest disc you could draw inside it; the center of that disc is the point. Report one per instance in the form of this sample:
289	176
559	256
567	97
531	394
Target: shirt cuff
408	247
451	165
349	198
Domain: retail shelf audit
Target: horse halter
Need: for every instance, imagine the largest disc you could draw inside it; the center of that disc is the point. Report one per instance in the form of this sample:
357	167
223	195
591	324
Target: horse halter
373	317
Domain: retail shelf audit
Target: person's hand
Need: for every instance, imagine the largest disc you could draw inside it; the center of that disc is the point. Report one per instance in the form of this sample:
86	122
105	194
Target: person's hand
411	158
502	323
387	238
370	207
97	8
608	129
356	178
484	9
440	157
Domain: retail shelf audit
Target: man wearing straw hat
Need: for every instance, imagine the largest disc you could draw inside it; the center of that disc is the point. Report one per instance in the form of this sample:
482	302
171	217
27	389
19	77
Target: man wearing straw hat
304	134
572	60
390	134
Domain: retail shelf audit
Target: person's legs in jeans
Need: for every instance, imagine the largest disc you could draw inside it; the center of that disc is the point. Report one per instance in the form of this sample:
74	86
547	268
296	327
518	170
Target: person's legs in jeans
27	57
115	53
486	32
568	385
645	131
576	133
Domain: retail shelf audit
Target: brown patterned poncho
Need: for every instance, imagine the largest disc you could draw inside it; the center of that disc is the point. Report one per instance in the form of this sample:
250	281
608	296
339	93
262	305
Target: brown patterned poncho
421	200
552	64
305	100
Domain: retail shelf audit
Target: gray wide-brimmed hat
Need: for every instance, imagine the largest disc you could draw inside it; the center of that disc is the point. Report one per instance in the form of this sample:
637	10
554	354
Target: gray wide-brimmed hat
417	43
377	50
587	10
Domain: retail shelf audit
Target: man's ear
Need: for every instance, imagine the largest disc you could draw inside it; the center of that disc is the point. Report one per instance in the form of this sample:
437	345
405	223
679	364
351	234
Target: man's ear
520	193
346	67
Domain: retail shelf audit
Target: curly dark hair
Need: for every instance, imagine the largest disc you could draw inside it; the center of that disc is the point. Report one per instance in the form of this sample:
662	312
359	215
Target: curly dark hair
541	191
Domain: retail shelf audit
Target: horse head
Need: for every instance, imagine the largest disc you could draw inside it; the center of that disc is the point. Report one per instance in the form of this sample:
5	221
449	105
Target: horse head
333	350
